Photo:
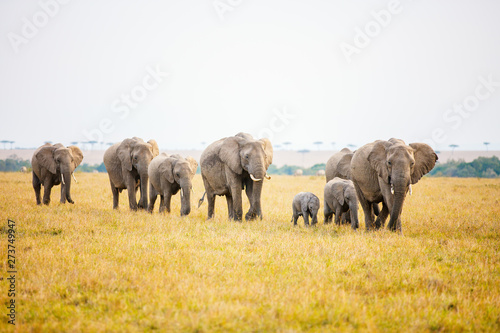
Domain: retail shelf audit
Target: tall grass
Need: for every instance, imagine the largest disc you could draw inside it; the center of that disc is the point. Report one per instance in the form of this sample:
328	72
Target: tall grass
86	267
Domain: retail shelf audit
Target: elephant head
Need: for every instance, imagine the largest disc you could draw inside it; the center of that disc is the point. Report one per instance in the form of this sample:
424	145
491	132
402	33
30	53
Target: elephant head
61	161
135	154
178	170
249	159
399	166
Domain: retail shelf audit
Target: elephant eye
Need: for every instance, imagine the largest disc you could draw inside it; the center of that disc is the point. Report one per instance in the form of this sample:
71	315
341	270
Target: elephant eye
135	158
246	156
412	164
177	174
389	163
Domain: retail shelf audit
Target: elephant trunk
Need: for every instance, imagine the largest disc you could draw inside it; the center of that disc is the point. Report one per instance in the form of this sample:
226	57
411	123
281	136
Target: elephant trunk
66	186
185	197
255	207
400	188
143	201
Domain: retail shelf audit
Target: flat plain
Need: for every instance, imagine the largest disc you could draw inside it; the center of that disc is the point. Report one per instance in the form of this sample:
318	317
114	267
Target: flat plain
86	267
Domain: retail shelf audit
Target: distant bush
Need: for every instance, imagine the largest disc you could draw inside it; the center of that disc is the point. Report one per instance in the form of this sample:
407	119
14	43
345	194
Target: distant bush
482	167
290	169
14	163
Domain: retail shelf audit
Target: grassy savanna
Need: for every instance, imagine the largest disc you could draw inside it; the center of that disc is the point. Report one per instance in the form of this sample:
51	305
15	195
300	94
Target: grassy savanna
85	267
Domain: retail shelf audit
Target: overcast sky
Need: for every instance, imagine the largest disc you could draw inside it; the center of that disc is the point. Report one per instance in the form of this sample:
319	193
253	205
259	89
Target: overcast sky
187	72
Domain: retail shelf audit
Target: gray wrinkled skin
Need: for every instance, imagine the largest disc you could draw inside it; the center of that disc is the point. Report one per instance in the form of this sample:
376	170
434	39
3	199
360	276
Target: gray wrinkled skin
340	198
305	204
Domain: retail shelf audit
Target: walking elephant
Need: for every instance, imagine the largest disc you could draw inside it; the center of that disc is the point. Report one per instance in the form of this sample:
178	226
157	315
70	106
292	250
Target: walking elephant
340	198
168	175
232	164
383	171
305	204
127	165
53	165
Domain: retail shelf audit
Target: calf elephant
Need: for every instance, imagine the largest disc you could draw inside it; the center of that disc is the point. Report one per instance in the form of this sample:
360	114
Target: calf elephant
305	204
168	175
127	165
53	165
232	164
340	198
383	171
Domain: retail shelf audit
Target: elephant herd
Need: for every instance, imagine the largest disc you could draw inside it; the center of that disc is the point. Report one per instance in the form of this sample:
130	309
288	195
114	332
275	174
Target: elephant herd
378	172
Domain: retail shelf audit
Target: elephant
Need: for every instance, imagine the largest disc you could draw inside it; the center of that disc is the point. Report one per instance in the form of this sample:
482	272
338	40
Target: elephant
53	165
167	175
339	165
383	171
340	198
298	172
232	164
305	204
127	165
23	169
320	173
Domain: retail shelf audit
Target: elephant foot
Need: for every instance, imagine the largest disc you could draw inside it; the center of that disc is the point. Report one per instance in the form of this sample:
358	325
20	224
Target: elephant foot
252	216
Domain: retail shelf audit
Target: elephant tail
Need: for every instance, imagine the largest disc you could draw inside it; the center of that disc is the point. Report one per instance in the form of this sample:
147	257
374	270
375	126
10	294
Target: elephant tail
202	199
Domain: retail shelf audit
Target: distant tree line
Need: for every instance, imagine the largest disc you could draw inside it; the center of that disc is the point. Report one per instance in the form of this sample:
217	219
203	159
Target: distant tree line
290	169
483	167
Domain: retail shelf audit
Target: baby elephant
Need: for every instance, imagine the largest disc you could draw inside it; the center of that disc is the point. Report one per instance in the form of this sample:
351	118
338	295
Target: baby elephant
340	197
167	175
305	204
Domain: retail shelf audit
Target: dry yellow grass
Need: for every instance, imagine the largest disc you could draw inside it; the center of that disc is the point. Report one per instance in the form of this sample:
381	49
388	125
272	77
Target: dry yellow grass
85	267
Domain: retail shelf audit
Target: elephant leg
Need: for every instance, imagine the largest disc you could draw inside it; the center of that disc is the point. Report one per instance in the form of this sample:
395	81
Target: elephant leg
132	190
116	195
211	204
237	202
367	208
167	196
162	200
37	185
47	187
328	212
314	217
230	210
346	217
153	194
382	216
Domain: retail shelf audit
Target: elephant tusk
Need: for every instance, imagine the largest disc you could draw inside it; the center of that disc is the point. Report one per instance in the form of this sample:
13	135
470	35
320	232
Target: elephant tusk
73	174
267	177
409	190
192	189
182	193
392	188
62	179
255	179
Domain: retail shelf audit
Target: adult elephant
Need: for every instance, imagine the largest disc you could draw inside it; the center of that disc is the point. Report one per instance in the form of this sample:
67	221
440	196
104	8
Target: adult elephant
232	164
339	165
127	165
53	165
383	171
167	175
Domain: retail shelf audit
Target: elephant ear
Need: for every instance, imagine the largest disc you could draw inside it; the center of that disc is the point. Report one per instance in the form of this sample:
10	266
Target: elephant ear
344	166
193	165
124	150
166	168
77	156
377	159
338	193
268	150
230	154
155	150
46	158
425	160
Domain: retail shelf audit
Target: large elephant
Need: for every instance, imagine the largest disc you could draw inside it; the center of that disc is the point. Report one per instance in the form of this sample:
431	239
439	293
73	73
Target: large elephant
383	171
53	165
232	164
339	165
340	198
168	175
127	165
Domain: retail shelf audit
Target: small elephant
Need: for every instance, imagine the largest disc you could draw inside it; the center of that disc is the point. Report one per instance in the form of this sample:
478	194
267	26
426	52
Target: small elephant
340	197
298	172
168	175
127	165
383	171
305	204
232	164
53	165
320	173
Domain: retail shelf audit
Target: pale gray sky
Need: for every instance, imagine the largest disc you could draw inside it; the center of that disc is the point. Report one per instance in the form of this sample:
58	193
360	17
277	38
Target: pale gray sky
67	71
